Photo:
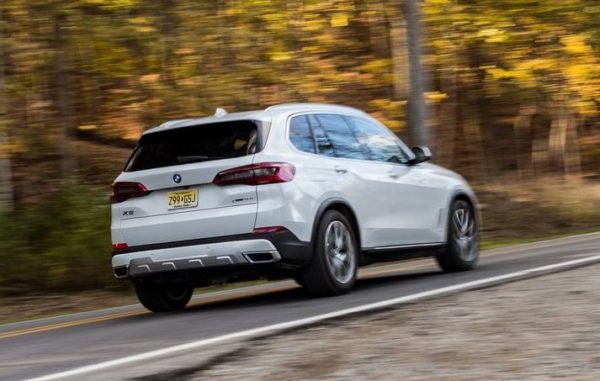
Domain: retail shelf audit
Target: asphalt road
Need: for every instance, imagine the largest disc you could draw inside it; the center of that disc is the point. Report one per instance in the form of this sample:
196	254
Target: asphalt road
48	346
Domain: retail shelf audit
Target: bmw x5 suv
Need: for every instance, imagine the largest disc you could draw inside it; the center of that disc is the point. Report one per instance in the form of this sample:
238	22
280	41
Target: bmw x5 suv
305	191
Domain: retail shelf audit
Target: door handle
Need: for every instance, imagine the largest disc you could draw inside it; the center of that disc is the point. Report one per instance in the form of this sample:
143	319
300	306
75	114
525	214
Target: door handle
340	169
393	175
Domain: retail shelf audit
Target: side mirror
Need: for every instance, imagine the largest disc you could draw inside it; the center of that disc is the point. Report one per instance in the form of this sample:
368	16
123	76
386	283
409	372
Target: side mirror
422	154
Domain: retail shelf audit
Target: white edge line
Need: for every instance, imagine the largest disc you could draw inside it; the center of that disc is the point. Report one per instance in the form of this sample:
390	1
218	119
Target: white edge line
129	307
251	333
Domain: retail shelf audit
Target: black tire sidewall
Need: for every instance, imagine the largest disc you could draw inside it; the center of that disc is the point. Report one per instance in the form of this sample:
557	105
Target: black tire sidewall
450	259
157	298
326	284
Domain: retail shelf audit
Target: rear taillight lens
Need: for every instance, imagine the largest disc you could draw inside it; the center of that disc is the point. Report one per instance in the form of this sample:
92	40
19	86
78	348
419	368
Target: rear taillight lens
125	190
257	174
119	246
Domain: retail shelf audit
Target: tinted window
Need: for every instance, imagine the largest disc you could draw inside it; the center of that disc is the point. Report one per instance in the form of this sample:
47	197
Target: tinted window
301	134
324	146
343	141
381	143
194	144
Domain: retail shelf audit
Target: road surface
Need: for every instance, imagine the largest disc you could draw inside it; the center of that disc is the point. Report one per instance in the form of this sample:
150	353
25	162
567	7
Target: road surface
46	348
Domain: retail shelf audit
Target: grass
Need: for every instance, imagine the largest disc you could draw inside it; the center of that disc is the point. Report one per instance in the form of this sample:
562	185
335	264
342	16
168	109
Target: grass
502	242
525	211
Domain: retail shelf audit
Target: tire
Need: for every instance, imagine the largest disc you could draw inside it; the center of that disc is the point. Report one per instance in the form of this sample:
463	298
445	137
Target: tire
334	265
298	280
462	246
163	298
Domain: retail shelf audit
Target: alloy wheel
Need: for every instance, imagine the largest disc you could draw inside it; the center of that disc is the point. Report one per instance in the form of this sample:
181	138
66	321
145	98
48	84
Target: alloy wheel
340	252
464	234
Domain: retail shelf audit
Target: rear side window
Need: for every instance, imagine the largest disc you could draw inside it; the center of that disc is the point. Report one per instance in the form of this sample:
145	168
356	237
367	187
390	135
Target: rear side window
343	141
194	144
301	134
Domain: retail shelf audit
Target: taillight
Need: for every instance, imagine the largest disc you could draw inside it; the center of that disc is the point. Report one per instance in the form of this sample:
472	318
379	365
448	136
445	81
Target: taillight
126	190
119	246
257	174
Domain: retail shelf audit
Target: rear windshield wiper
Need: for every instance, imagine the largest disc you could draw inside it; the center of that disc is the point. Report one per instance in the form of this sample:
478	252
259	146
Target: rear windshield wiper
196	158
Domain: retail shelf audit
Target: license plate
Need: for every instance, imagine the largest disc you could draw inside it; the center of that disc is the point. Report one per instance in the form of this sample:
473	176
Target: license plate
182	199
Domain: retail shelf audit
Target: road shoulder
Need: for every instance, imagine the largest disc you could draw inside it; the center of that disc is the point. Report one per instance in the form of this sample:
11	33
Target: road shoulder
533	329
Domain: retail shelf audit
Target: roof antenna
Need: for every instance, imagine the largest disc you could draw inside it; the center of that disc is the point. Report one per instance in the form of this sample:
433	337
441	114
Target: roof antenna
219	113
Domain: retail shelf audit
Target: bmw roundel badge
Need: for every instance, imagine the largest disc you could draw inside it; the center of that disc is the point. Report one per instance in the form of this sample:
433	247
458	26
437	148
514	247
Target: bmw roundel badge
177	178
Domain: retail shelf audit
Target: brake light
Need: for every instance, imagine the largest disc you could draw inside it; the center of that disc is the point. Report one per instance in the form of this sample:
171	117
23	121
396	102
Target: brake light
257	174
122	191
119	246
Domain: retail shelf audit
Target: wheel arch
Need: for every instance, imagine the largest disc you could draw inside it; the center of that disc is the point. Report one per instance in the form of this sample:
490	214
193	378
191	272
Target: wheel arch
341	206
469	197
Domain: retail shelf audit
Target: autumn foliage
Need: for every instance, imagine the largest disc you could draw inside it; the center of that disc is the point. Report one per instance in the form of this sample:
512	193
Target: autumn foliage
512	86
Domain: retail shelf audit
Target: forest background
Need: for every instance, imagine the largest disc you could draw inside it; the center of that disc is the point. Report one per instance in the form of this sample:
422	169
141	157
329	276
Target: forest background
512	92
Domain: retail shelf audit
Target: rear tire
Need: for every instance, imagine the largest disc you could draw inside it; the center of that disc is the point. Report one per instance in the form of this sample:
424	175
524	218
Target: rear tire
163	298
333	268
462	246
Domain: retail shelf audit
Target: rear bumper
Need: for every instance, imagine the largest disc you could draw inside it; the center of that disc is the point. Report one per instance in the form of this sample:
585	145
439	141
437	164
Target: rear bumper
209	255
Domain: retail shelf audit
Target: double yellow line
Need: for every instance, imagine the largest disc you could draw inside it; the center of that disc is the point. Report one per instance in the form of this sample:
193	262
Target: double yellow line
50	327
365	273
369	273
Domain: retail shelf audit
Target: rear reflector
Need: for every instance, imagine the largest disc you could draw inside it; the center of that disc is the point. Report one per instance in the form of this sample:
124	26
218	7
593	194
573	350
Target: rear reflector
269	229
119	246
122	191
257	174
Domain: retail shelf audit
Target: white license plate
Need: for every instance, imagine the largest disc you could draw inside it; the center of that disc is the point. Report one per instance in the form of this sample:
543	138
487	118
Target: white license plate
182	199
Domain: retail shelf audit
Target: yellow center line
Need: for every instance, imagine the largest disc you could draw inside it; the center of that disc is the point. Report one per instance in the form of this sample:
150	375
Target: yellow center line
140	312
73	323
208	300
366	273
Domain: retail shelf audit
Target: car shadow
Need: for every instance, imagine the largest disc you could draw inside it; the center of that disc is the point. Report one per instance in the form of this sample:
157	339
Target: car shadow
295	296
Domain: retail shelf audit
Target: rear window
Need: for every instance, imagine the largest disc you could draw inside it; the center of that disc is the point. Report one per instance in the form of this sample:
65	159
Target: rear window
194	144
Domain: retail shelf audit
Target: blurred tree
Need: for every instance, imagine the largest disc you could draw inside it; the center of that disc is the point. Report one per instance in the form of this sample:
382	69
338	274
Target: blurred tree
517	63
505	76
515	86
6	188
415	112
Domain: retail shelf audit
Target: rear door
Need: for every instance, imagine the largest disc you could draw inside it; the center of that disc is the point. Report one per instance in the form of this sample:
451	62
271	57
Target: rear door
177	167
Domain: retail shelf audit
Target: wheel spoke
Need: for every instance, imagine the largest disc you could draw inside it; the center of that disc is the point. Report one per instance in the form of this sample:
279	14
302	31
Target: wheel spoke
340	251
463	230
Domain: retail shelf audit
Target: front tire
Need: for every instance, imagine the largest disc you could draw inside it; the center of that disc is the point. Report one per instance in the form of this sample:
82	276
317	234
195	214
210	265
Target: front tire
163	298
333	268
462	246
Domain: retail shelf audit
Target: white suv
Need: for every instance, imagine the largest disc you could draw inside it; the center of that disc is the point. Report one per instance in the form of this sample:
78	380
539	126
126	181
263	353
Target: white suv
306	191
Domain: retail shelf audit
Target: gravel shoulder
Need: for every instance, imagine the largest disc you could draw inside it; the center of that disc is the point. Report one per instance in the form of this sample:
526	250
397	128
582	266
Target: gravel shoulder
537	329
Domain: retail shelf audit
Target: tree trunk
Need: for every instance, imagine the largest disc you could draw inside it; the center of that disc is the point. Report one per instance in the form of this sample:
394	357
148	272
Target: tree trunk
419	132
6	184
399	53
572	154
63	98
563	146
522	133
447	115
377	27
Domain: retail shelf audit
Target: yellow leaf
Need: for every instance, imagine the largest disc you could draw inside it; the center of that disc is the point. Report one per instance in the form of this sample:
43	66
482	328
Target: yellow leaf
339	20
